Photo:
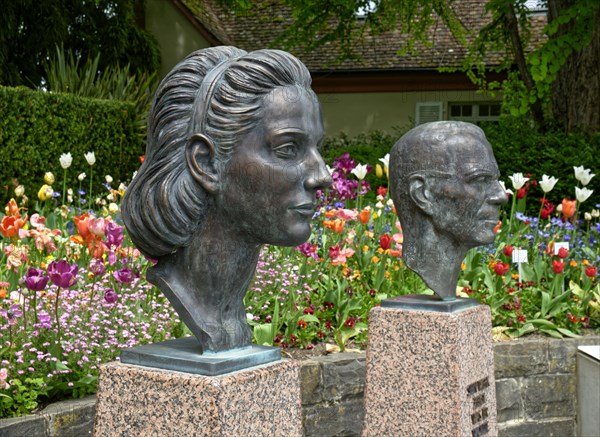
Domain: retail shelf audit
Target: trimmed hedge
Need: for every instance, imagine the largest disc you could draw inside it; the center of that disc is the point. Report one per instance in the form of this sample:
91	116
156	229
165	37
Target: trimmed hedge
36	127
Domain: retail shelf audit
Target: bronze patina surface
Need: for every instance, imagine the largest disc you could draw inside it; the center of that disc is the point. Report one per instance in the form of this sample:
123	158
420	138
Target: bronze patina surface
231	164
445	187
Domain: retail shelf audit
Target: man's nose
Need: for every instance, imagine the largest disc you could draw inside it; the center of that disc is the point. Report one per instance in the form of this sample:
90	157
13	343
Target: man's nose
498	196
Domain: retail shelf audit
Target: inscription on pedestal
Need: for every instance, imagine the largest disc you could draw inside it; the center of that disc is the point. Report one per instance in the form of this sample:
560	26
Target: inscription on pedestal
479	408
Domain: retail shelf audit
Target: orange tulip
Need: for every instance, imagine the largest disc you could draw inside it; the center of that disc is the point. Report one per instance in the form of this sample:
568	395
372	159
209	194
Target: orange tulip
330	213
11	224
568	208
364	216
497	227
336	225
82	222
12	208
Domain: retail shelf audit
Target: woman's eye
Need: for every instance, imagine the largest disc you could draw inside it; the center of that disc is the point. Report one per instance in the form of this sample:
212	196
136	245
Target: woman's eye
286	151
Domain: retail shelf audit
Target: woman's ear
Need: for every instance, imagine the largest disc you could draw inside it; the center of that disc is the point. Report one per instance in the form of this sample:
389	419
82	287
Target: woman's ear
419	191
200	156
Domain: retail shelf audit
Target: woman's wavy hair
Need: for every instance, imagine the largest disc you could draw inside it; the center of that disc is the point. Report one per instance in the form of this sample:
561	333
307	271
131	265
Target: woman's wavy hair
164	205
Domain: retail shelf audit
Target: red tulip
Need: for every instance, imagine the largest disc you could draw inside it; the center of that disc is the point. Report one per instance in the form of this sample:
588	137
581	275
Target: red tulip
501	268
591	271
384	241
563	252
382	191
508	250
558	266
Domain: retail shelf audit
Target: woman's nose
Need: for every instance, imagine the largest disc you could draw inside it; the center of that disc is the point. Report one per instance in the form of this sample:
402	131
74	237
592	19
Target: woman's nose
318	177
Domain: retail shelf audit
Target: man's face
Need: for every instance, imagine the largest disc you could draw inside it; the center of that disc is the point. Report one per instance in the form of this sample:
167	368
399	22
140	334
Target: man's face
269	184
466	194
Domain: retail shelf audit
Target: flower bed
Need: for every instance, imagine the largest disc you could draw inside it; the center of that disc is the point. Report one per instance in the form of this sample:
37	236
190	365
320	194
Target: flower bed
72	292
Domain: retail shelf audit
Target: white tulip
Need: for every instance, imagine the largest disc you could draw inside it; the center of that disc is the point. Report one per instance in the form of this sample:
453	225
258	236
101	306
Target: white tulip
90	158
547	183
20	190
66	160
587	216
108	179
582	194
385	160
81	176
386	163
360	171
504	188
595	213
518	180
583	175
113	208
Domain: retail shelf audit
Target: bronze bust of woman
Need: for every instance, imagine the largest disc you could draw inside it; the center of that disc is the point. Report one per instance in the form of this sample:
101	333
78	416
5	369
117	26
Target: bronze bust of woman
231	164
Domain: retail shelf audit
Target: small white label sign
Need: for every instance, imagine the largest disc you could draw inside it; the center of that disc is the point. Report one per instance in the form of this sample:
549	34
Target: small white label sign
557	246
519	256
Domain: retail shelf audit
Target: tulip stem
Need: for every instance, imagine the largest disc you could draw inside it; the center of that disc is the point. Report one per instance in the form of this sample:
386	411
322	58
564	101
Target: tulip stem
56	315
90	193
64	193
537	234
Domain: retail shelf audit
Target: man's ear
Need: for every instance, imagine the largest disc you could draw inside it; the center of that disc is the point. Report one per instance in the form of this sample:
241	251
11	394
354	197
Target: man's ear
200	156
420	193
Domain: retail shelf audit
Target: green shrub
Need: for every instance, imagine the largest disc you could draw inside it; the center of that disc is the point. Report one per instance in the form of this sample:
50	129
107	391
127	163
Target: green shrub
520	148
36	127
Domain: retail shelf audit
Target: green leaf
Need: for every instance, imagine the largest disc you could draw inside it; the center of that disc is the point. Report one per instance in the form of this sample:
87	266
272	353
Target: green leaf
263	334
309	318
568	333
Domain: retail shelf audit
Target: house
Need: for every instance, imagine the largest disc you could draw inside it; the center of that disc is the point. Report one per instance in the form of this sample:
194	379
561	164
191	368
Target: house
379	90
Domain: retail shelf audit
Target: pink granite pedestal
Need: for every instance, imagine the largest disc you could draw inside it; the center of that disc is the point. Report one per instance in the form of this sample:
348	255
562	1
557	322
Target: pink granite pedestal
430	374
142	401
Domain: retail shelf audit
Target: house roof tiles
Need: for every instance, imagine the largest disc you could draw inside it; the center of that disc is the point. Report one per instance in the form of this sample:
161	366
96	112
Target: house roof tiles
259	28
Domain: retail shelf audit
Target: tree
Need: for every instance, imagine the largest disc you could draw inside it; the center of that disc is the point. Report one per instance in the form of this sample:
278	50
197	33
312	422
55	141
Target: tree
555	78
30	31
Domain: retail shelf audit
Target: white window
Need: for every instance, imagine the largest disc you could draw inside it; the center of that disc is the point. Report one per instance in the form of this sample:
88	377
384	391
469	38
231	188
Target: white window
428	111
536	6
474	112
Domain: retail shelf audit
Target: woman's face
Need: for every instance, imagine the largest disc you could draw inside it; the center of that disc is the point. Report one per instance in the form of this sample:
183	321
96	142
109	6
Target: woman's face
268	187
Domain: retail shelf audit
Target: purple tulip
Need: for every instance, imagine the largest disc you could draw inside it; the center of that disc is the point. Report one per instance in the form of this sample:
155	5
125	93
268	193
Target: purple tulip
114	234
110	296
62	273
124	275
97	267
35	279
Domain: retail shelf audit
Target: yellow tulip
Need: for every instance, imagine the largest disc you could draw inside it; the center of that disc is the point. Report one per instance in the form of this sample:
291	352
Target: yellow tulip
45	192
49	178
379	171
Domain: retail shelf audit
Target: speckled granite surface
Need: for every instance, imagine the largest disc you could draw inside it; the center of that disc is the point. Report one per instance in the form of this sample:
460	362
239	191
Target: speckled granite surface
138	401
430	374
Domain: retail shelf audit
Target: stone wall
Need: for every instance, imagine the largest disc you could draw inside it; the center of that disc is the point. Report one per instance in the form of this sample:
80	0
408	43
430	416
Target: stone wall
535	388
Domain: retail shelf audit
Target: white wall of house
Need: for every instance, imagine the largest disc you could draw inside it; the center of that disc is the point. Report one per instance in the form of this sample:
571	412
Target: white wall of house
354	113
175	34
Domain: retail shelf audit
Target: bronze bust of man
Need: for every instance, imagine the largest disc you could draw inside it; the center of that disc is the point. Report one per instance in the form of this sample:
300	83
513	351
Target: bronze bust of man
231	164
444	183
